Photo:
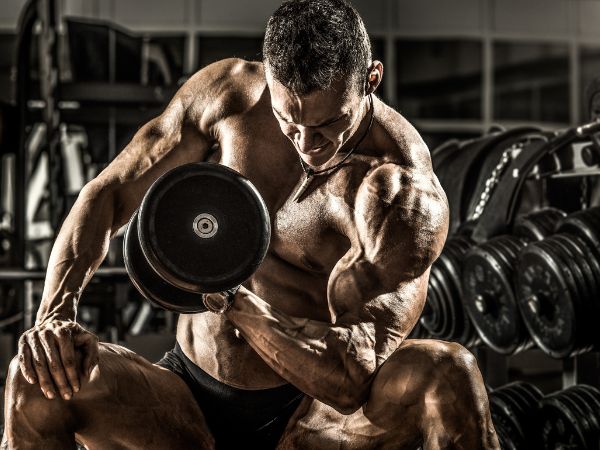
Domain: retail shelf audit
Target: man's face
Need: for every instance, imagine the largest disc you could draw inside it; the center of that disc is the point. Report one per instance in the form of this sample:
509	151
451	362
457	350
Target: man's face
319	123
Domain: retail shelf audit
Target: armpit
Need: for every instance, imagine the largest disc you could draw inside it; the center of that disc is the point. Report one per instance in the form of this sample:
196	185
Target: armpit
402	221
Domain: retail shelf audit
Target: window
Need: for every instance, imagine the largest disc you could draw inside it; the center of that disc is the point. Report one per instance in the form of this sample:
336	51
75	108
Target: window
439	79
531	82
213	48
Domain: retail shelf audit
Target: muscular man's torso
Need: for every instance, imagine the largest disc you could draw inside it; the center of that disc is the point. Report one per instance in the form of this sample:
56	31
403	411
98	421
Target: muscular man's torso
308	237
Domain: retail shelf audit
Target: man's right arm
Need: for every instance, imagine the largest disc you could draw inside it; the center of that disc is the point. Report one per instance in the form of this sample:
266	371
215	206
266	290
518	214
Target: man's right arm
181	134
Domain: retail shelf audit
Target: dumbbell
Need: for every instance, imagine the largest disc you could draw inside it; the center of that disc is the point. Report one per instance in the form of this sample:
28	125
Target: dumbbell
488	282
558	282
514	409
571	419
201	228
443	316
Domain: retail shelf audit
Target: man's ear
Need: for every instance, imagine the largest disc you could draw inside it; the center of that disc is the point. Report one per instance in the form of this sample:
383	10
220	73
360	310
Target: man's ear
374	76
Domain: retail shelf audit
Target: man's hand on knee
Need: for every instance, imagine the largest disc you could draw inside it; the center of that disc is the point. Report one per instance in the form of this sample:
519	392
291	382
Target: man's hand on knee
56	354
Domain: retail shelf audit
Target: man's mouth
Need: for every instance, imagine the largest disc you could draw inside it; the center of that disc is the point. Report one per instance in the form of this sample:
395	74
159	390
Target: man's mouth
314	151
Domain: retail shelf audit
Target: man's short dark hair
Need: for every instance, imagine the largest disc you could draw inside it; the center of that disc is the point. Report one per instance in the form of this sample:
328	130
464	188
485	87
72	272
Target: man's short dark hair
311	43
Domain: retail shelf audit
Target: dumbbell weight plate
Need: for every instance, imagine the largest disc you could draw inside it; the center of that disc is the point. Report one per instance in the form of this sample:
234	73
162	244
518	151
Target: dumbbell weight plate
569	265
537	225
589	418
582	421
449	302
591	405
559	424
580	259
489	299
503	418
204	227
546	301
590	258
574	278
438	323
529	392
581	269
147	281
585	224
432	316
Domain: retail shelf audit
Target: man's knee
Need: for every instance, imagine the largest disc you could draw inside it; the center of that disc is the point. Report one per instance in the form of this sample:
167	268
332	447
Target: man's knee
19	394
424	366
22	397
455	362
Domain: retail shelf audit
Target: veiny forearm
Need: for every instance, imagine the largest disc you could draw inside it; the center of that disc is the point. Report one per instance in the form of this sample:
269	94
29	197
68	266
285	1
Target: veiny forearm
79	249
333	364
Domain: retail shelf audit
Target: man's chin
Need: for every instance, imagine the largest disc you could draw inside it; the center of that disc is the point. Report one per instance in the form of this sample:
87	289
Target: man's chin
318	159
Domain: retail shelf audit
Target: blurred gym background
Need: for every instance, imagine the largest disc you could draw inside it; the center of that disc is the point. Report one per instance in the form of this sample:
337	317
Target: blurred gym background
77	78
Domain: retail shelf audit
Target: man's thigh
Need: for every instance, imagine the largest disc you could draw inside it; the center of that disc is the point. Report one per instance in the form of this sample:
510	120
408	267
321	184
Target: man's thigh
423	394
129	402
317	425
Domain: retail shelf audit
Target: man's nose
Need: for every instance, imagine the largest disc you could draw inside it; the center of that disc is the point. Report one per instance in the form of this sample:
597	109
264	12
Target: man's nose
307	139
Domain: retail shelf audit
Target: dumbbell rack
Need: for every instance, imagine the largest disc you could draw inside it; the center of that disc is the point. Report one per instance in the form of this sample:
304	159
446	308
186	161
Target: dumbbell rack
583	368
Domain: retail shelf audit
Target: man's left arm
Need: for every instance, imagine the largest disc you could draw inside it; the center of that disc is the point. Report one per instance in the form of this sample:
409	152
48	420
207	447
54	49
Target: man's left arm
375	294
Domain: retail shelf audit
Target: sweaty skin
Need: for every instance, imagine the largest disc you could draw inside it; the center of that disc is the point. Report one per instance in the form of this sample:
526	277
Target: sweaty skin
344	281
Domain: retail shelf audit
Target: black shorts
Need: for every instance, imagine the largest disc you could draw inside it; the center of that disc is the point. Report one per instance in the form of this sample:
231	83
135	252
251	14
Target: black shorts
237	418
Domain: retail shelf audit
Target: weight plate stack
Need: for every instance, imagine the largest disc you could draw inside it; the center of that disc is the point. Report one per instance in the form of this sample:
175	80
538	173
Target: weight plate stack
559	311
585	224
513	408
546	292
488	294
571	418
583	231
537	225
443	316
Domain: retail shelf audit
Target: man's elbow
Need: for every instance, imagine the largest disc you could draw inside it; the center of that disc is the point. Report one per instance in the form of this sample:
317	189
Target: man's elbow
103	201
351	396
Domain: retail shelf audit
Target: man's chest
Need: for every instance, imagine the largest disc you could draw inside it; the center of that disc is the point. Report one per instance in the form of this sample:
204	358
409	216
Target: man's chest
315	230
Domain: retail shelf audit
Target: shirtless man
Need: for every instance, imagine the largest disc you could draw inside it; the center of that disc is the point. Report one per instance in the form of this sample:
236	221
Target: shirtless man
321	359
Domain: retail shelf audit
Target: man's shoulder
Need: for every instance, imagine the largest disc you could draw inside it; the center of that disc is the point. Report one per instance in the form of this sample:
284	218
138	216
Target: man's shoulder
401	214
225	87
398	140
230	70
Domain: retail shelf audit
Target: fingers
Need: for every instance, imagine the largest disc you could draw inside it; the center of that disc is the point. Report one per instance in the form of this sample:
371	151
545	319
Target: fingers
47	356
89	343
25	361
39	364
55	363
67	356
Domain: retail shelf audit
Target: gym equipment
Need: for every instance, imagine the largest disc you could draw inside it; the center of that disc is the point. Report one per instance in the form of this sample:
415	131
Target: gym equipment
464	168
201	228
557	285
514	409
571	419
488	295
443	316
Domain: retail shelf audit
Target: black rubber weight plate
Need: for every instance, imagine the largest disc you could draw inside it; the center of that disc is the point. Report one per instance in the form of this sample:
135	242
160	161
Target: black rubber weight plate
170	239
147	281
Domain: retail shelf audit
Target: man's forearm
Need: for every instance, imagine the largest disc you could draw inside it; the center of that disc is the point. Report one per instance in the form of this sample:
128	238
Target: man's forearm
78	250
331	363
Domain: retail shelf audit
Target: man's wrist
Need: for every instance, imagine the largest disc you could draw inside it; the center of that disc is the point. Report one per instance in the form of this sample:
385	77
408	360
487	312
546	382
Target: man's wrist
61	314
219	302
